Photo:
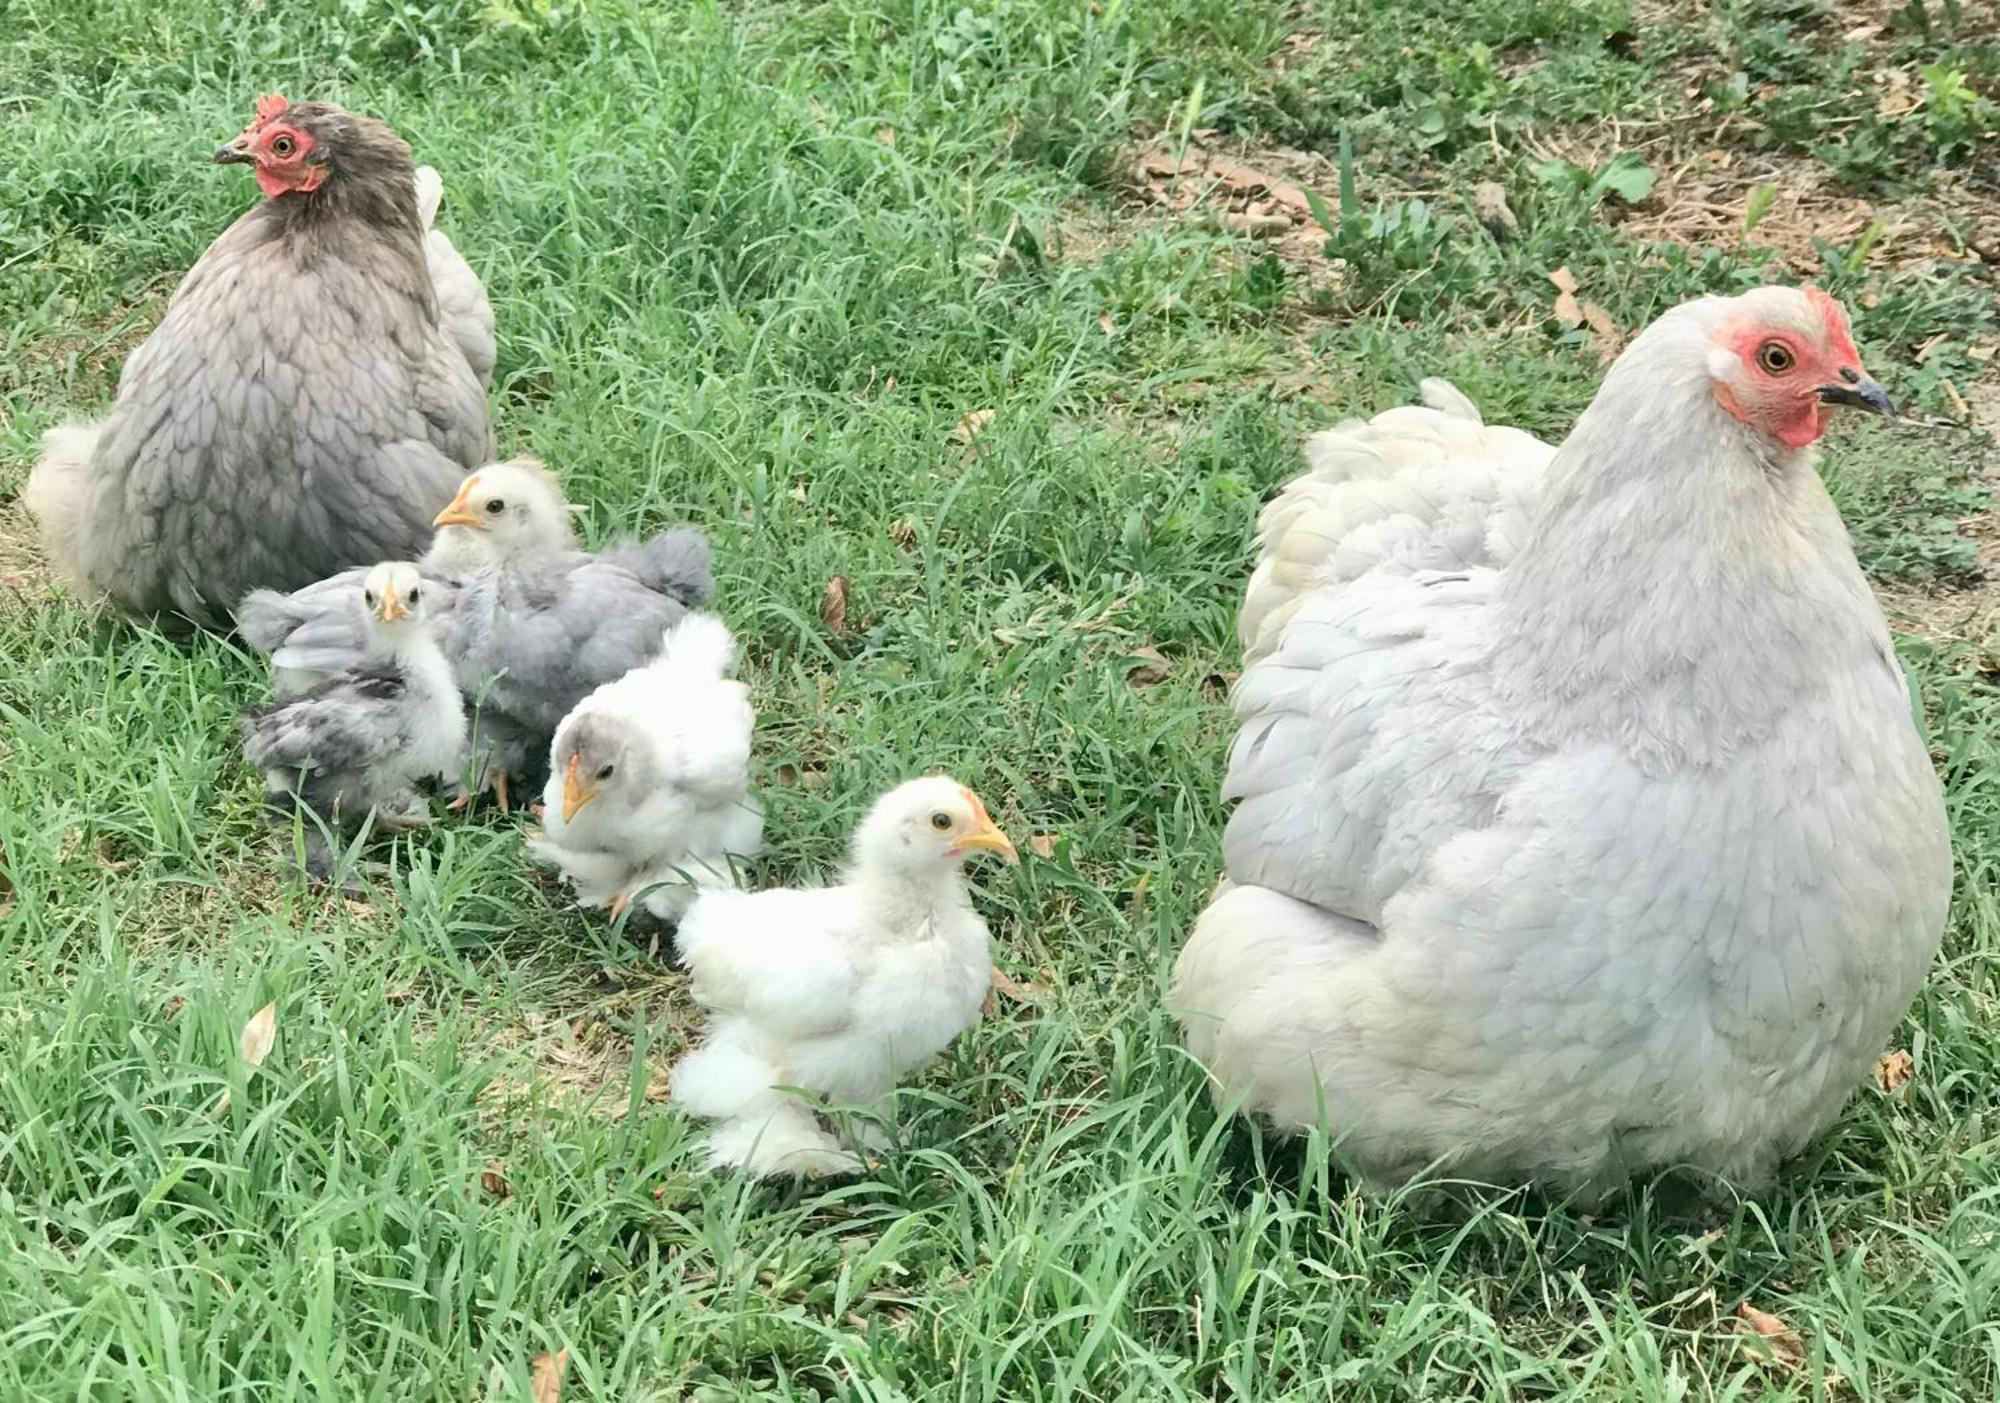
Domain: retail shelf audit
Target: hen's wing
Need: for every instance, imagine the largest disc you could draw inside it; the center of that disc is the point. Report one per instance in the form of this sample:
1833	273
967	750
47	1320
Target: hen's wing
1363	740
775	958
463	311
1417	487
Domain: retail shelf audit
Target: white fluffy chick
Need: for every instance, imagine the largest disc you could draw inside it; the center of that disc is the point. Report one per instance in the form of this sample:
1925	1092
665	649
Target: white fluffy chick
648	796
837	990
360	738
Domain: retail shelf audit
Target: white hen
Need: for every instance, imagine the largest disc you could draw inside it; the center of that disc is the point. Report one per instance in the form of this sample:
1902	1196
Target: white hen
839	990
1583	826
648	795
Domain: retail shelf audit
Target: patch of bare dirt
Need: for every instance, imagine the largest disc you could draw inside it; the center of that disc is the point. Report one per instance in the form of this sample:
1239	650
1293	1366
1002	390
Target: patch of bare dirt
1255	192
584	1054
26	579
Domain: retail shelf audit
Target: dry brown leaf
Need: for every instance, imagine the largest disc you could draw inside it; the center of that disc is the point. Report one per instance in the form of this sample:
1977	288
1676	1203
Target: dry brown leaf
259	1036
1042	844
1244	180
903	532
1149	665
1568	312
1780	1343
1604	332
1006	987
886	135
798	492
1893	1071
1257	226
545	1383
971	426
1138	903
493	1179
833	605
1110	326
253	1045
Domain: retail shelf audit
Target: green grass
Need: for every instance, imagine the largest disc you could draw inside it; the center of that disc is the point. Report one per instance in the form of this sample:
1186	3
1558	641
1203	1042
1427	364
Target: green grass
725	295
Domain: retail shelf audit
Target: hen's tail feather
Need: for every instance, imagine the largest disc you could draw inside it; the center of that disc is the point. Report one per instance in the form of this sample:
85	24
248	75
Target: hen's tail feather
430	192
1255	958
56	492
1427	486
463	311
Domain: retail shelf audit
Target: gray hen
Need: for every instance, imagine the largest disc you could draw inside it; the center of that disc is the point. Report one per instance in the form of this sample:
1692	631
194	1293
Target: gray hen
303	406
361	738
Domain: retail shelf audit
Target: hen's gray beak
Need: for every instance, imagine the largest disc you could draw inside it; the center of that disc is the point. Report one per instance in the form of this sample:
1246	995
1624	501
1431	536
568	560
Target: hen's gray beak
1858	392
233	153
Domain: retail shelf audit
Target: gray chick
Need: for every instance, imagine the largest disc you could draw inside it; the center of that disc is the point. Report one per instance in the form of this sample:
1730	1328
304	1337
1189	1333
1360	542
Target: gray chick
503	512
363	736
533	637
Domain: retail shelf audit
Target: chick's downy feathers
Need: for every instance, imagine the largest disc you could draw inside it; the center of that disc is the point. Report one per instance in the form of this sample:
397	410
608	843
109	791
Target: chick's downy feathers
837	990
361	737
504	512
648	795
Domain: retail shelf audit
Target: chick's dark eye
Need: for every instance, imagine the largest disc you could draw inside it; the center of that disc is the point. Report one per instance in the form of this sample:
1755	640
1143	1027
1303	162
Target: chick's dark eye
495	507
1775	357
283	146
605	773
413	596
368	597
940	821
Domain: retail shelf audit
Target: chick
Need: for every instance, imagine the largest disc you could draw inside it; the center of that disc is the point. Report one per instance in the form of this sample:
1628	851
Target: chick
648	796
529	623
504	512
533	637
362	736
837	990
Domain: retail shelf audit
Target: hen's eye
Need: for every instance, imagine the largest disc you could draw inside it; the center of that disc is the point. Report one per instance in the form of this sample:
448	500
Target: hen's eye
368	597
1776	357
605	773
413	596
283	147
941	821
495	506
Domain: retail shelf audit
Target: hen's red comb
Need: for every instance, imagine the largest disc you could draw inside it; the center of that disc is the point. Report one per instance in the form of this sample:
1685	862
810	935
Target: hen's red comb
270	105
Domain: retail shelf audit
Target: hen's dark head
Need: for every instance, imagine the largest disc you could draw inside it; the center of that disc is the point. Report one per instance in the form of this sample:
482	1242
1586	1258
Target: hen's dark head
297	148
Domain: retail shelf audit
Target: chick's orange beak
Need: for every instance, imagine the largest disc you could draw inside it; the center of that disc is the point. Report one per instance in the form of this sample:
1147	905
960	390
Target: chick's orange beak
575	792
985	836
459	513
389	608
